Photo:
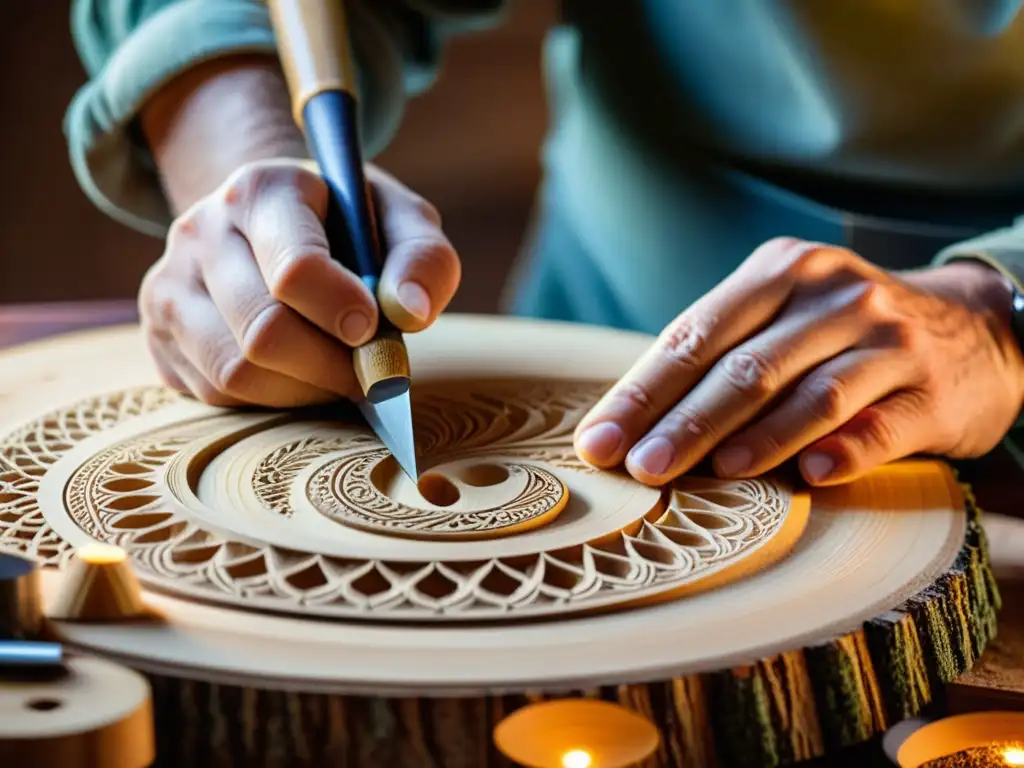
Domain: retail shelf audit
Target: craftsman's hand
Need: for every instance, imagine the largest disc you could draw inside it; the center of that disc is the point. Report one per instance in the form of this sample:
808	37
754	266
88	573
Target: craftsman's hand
246	305
810	350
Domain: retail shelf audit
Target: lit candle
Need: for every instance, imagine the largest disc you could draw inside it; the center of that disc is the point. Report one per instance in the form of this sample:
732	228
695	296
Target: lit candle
577	758
1013	756
977	740
576	733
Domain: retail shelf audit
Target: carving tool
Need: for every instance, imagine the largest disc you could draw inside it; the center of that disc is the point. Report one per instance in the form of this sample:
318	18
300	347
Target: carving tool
314	46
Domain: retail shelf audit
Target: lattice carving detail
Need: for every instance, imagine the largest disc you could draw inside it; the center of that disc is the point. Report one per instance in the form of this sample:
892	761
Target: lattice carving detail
27	454
120	495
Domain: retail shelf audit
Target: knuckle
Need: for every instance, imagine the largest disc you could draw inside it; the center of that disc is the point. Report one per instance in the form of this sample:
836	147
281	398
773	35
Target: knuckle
685	342
635	394
689	423
876	430
827	399
904	336
231	374
165	311
294	267
767	445
262	335
426	210
872	299
245	185
157	305
433	256
184	227
805	259
750	373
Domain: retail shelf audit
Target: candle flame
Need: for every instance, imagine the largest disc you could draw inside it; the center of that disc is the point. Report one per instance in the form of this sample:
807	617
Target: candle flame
97	553
1013	756
577	758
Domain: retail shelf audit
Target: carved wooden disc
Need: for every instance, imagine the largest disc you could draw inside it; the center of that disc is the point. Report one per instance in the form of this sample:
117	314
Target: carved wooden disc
250	528
307	513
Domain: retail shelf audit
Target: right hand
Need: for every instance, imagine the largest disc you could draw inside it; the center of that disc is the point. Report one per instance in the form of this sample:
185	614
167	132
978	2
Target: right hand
247	307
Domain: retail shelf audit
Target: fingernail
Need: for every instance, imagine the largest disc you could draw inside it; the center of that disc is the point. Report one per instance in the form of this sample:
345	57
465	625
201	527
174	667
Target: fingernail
817	466
734	460
653	456
601	442
414	300
353	328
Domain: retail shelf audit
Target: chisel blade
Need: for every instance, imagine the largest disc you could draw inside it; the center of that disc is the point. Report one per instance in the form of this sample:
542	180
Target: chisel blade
391	419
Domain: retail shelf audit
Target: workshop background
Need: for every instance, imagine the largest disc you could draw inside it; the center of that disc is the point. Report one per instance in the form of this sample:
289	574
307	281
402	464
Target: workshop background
470	145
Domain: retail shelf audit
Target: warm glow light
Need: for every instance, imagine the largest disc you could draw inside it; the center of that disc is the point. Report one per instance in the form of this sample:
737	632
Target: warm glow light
101	554
577	758
1013	756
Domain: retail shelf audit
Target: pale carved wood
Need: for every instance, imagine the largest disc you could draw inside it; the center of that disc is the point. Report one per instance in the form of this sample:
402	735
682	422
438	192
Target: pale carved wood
319	608
96	715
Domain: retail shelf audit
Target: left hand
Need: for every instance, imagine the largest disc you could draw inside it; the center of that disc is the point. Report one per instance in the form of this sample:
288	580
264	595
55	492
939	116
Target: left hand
809	349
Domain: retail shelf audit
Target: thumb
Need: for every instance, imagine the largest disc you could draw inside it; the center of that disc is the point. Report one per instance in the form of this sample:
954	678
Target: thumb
421	270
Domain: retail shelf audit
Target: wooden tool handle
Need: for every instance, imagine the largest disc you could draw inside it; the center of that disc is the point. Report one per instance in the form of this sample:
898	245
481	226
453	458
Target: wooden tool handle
313	43
312	38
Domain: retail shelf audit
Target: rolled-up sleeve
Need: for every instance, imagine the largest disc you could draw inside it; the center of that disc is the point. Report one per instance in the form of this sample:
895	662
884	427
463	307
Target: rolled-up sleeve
1001	249
131	48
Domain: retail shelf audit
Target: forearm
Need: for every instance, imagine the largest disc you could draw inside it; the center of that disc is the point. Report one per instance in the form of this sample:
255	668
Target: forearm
215	118
211	112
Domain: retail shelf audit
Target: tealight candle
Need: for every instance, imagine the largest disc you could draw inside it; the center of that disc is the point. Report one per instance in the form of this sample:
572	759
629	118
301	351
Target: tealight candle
976	740
981	757
576	733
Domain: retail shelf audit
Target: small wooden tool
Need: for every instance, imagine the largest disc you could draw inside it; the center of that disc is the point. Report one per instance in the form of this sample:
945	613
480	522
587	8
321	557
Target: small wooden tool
99	585
313	41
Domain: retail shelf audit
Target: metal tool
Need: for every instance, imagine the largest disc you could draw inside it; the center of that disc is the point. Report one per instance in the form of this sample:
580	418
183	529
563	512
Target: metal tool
313	41
25	653
21	612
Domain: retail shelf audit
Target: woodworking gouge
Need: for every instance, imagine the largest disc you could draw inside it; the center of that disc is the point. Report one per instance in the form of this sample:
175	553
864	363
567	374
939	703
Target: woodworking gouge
314	46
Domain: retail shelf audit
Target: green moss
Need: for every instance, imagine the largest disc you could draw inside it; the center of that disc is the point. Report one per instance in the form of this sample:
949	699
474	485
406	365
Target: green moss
842	710
743	723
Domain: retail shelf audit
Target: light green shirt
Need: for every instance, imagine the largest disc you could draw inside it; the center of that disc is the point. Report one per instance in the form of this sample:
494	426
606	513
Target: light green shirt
925	95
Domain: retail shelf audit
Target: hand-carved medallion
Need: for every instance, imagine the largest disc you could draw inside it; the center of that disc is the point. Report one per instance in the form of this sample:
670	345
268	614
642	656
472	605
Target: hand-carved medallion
283	513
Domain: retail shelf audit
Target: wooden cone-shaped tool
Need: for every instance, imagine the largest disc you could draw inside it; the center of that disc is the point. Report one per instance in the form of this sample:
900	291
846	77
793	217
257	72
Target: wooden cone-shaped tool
99	586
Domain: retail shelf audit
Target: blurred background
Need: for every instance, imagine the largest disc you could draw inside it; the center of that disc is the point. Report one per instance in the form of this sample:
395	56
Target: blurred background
470	145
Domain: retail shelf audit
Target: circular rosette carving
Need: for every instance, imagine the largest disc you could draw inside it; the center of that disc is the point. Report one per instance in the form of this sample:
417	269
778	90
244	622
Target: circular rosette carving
243	509
467	499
